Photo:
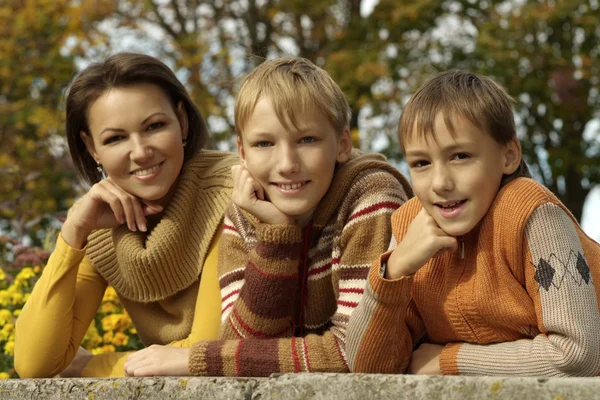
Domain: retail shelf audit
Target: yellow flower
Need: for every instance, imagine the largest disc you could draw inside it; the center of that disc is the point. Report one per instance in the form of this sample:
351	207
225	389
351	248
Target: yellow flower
120	339
133	331
2	275
108	348
108	337
5	316
110	295
9	348
37	269
4	297
25	274
17	298
108	308
4	375
16	313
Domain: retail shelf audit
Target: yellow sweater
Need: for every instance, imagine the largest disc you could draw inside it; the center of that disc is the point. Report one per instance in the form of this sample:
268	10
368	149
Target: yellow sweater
156	276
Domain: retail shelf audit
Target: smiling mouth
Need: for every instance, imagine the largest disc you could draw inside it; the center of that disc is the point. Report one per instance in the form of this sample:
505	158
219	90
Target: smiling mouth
291	186
450	205
148	171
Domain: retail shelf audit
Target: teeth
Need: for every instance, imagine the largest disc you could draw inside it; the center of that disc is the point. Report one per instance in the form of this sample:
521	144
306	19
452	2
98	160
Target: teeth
452	205
291	187
148	171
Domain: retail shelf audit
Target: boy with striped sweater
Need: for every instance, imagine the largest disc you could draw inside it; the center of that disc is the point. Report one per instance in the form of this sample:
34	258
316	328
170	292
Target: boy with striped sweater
308	215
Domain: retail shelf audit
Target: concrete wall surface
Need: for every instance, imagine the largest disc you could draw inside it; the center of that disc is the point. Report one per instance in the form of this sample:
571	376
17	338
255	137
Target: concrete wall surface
305	386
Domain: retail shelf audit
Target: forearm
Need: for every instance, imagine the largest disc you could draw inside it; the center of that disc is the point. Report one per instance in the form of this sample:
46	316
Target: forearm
378	338
265	304
545	355
56	316
263	357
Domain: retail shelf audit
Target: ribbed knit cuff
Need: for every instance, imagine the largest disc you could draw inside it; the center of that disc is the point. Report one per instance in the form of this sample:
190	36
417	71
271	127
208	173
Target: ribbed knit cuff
449	359
284	234
197	361
392	293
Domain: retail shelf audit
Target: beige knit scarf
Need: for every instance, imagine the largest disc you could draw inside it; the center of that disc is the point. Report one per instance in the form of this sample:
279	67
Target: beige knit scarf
147	267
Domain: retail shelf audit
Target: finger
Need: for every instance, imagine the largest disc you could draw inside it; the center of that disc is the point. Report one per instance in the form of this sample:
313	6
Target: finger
235	174
101	194
248	190
127	203
445	244
258	190
150	208
140	218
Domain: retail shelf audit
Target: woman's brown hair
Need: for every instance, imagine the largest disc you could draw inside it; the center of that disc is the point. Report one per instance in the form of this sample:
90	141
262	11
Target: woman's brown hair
120	70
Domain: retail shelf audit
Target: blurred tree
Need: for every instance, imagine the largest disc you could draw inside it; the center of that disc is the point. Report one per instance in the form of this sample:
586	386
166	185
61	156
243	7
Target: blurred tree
215	43
36	66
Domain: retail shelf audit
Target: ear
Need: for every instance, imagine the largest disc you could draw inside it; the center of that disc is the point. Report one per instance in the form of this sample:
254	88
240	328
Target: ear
89	144
511	156
344	146
241	151
183	120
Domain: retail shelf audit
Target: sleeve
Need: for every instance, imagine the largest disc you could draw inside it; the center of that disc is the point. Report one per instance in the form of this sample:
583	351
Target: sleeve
559	282
258	285
365	234
385	326
60	309
205	326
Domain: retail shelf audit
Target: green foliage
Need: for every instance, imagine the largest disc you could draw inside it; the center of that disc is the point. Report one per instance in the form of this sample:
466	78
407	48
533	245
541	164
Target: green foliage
37	175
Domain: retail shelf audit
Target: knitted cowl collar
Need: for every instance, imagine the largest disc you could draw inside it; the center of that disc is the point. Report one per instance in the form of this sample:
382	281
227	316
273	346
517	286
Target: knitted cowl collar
147	267
344	177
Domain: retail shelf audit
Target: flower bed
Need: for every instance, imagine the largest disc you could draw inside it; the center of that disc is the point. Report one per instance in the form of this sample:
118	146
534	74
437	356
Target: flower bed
111	330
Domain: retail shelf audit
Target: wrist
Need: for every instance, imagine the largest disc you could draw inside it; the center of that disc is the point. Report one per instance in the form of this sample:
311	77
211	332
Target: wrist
73	235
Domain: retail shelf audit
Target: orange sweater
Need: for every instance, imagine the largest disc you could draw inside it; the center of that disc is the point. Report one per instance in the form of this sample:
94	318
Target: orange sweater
521	301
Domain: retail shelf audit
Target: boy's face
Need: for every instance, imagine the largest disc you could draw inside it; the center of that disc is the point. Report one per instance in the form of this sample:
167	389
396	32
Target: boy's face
295	167
457	178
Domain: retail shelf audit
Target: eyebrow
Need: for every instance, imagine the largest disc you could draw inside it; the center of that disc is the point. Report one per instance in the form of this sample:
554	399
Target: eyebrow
448	149
143	123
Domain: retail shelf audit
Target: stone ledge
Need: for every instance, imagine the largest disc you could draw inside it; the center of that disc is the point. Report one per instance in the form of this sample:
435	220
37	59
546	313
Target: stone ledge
305	386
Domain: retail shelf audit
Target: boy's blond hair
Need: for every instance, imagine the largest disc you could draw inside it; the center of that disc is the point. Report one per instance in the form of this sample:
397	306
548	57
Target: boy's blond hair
479	99
295	86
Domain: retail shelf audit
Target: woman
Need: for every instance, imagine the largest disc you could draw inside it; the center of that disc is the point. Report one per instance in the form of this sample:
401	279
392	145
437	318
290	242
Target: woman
149	226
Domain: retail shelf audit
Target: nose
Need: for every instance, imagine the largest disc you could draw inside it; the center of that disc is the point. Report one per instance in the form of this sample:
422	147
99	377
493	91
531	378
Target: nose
442	180
140	149
288	160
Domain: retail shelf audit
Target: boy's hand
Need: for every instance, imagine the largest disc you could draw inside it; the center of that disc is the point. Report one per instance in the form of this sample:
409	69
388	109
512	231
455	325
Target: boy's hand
426	360
249	195
424	239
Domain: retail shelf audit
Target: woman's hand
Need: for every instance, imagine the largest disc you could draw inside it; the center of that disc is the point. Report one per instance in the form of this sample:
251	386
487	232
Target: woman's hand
426	360
249	195
158	360
424	239
105	205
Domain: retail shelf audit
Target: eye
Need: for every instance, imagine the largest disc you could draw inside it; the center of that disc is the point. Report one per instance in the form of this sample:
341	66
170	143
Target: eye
113	139
262	143
461	156
155	125
308	139
419	164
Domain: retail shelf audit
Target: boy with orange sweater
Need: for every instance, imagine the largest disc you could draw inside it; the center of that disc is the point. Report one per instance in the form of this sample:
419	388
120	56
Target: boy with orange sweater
492	275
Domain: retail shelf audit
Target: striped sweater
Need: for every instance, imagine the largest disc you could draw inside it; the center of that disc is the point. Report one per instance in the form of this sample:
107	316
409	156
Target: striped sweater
522	301
287	292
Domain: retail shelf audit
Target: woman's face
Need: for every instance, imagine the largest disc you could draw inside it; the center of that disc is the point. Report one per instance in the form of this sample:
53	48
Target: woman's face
137	136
